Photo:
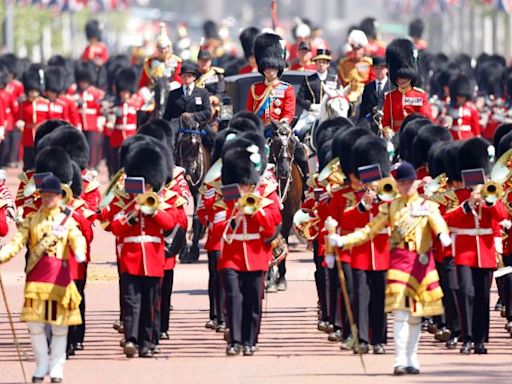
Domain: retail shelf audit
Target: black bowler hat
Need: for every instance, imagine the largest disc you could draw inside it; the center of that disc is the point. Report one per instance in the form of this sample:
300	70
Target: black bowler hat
322	54
51	184
304	46
379	60
191	68
405	172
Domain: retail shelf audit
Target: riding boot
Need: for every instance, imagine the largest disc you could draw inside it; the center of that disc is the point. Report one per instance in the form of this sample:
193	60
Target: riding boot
40	347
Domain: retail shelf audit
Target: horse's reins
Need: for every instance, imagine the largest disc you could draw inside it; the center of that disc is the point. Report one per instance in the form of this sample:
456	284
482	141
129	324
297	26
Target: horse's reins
198	162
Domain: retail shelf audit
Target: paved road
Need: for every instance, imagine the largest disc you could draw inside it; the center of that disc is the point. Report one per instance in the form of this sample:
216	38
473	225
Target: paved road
291	349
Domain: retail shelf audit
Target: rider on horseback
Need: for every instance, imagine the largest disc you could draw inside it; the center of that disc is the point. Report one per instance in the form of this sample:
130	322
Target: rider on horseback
273	99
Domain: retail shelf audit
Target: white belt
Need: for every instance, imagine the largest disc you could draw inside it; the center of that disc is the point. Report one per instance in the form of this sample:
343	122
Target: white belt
125	127
246	236
461	128
472	231
88	111
142	239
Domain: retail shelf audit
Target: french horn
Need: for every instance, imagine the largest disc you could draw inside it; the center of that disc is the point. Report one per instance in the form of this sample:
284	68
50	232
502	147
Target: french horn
305	223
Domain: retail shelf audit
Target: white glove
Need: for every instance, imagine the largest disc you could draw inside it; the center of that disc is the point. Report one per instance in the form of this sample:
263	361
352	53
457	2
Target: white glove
146	94
498	245
335	240
330	260
445	240
506	224
20	124
315	108
80	257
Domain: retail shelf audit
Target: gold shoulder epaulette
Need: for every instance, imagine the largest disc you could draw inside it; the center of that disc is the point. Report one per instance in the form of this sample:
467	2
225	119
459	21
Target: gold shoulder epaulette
92	186
219	70
419	89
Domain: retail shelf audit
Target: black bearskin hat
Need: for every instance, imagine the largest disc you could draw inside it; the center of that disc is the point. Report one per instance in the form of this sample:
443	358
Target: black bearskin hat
451	160
505	145
502	130
259	140
85	71
220	140
160	130
240	122
126	80
54	79
12	63
4	75
369	27
425	138
324	154
73	142
33	79
329	128
77	184
240	158
416	28
47	127
475	153
270	52
402	59
342	147
93	30
491	77
146	160
461	85
369	150
247	37
55	160
436	159
408	131
211	30
127	144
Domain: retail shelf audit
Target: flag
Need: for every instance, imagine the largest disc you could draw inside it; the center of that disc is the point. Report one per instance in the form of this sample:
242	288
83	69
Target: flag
369	173
472	177
134	185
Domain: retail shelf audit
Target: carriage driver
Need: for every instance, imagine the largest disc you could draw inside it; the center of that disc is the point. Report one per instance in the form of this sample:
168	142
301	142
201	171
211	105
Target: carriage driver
273	99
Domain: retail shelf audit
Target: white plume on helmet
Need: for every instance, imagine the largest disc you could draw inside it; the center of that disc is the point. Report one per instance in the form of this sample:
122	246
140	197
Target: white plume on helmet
357	38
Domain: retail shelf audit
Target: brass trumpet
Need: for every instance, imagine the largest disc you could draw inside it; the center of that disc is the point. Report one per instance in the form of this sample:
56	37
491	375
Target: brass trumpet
305	223
249	203
148	204
386	189
492	191
67	195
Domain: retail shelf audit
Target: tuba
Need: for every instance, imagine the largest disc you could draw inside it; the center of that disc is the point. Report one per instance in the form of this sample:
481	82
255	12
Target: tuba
305	223
249	203
386	189
331	173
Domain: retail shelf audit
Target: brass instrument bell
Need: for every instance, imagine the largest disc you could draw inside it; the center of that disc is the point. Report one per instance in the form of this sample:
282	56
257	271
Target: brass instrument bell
249	203
386	189
331	173
305	221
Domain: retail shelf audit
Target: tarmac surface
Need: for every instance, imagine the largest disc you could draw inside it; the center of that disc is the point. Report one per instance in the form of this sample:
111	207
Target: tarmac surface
291	349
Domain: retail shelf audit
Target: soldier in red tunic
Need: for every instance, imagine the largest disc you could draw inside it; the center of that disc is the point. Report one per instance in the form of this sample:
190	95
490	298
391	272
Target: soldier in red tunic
143	252
416	28
463	113
246	244
369	261
96	51
122	118
473	224
10	108
33	111
54	86
406	99
88	99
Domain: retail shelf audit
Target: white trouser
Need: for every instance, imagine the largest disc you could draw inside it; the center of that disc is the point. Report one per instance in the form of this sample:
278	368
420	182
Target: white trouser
52	364
406	332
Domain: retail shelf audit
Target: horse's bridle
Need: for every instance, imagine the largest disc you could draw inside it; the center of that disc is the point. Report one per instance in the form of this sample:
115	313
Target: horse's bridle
284	135
198	160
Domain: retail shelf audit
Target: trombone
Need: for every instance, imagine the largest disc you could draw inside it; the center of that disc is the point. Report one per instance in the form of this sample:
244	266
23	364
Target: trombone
147	203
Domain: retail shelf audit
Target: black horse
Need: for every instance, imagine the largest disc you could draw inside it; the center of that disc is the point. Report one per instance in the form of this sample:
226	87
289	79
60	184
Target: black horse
191	154
282	148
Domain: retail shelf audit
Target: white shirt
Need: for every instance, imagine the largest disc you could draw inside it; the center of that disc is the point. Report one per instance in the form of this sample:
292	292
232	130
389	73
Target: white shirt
188	89
322	76
380	84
